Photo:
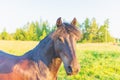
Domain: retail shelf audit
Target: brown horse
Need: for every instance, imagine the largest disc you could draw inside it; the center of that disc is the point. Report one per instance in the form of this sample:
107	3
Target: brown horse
43	62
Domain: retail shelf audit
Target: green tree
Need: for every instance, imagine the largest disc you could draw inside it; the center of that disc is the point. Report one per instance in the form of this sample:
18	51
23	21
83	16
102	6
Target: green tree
38	30
93	29
89	29
103	32
19	34
4	35
94	33
85	29
31	33
43	35
45	26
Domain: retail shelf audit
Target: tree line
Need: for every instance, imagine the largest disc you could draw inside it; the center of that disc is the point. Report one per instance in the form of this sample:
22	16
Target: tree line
36	31
92	32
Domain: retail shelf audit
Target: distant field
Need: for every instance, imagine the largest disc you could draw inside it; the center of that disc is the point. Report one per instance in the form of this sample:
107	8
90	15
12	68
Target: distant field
99	61
17	47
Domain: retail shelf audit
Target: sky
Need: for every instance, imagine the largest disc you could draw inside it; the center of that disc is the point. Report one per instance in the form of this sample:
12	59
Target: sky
16	13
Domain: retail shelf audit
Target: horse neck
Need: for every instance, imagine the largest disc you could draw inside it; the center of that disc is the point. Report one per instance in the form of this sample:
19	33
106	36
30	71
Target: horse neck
45	52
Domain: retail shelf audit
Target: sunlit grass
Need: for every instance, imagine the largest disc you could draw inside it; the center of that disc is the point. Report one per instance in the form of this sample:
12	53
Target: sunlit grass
17	47
99	61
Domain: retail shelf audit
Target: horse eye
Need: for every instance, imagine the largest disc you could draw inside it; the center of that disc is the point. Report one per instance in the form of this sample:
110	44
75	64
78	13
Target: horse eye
61	39
76	39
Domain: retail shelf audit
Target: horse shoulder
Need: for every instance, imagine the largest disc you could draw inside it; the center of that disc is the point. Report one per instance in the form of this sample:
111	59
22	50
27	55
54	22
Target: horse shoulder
24	70
30	70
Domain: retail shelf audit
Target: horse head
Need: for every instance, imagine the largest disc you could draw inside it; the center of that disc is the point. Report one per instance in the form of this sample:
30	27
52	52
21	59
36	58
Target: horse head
65	38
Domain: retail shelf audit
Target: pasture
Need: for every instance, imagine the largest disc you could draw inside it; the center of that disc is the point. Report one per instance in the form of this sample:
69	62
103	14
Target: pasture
99	61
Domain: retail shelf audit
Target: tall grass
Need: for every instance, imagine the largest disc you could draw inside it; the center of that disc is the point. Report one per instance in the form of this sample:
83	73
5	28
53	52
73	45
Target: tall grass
99	61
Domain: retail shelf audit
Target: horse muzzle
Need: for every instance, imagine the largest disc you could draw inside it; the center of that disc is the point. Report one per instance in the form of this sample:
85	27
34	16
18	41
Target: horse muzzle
72	71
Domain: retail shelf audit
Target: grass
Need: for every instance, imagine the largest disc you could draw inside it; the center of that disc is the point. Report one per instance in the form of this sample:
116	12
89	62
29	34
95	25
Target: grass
99	61
17	47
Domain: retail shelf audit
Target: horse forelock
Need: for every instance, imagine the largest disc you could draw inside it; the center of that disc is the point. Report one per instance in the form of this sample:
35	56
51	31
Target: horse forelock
67	29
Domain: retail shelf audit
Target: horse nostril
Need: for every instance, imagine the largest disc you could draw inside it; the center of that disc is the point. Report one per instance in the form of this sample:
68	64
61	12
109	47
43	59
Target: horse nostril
77	70
69	70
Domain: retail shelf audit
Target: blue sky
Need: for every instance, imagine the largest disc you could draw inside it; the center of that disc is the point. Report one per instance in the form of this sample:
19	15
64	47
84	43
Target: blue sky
16	13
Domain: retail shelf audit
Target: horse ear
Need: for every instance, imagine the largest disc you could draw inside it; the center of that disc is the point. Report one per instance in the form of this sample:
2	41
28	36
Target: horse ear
74	21
59	22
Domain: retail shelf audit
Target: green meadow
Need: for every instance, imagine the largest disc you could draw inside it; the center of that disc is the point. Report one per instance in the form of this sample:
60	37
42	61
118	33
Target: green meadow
99	61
